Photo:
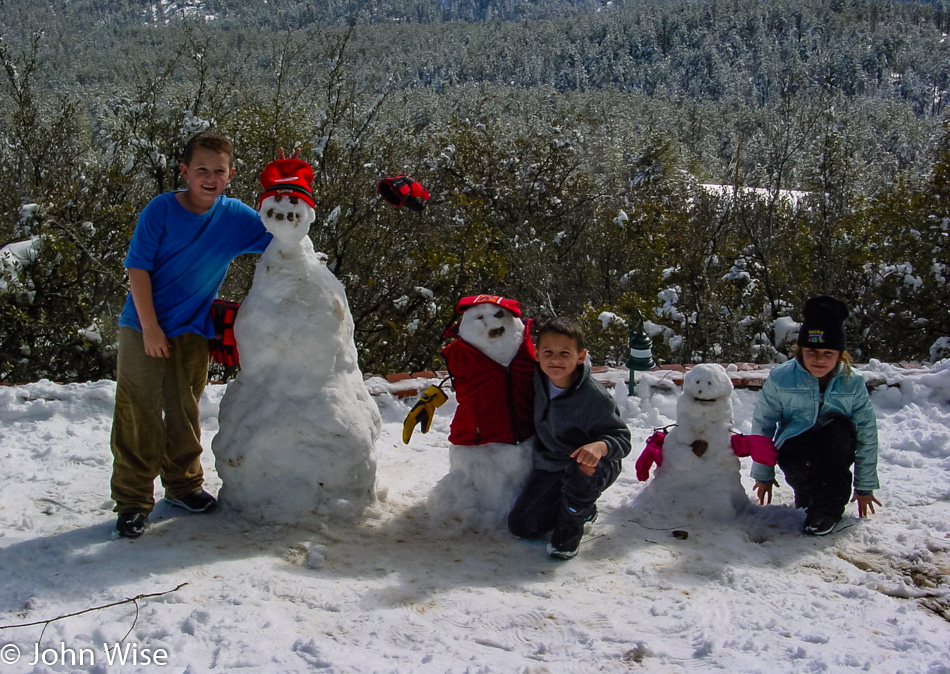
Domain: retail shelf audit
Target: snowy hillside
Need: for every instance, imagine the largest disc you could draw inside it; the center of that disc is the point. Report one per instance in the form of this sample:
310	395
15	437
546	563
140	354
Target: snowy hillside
394	594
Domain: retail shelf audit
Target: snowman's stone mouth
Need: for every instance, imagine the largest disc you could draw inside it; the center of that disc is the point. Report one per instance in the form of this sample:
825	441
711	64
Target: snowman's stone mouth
706	400
496	332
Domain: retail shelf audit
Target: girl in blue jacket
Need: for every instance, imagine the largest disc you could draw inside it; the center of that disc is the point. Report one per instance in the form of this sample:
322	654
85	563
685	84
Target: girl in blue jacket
817	410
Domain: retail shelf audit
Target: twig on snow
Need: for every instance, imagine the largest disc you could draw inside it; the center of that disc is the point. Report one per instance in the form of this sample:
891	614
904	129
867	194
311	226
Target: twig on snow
130	600
655	528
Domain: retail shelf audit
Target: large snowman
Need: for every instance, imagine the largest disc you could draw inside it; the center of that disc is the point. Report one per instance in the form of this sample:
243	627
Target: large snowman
491	360
297	427
699	475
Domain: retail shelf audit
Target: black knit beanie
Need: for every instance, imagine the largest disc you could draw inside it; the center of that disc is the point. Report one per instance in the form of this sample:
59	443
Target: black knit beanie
823	326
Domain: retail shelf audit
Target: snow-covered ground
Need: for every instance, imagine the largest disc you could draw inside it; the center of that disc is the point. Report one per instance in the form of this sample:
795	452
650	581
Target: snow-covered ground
394	594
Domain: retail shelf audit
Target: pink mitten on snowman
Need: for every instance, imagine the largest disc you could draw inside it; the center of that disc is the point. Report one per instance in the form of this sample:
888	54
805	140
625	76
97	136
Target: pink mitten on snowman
652	453
759	447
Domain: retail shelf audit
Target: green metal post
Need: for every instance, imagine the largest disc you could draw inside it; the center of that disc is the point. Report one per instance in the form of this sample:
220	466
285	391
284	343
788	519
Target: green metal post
641	350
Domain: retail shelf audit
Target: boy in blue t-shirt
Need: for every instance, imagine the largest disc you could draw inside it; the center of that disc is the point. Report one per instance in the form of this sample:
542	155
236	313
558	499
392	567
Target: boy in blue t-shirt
178	257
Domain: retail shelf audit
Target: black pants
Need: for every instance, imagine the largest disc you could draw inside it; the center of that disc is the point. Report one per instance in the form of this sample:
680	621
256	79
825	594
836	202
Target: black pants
549	493
817	465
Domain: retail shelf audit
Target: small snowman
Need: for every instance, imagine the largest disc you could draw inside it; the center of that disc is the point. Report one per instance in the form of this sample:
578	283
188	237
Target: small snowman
491	360
298	428
698	475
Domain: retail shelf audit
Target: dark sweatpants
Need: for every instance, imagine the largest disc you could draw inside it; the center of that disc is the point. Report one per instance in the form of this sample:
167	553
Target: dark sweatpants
548	493
817	465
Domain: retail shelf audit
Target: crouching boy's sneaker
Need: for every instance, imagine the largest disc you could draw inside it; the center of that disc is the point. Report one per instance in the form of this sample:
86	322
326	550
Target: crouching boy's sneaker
565	540
131	524
198	501
569	530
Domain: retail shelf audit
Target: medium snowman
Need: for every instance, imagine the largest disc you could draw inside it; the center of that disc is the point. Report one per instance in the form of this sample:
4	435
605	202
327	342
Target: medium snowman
298	428
698	476
491	360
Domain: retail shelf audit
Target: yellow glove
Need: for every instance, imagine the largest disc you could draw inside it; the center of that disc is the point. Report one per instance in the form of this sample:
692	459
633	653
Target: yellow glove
423	411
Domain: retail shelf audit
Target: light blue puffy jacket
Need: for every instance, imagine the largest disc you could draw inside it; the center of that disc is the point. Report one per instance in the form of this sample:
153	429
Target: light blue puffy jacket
789	405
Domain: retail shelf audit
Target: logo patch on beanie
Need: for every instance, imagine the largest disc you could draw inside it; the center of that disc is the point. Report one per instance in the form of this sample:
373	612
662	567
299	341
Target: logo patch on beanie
816	336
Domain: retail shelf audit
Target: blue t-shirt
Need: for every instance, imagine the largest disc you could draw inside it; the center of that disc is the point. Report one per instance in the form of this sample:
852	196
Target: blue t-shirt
187	257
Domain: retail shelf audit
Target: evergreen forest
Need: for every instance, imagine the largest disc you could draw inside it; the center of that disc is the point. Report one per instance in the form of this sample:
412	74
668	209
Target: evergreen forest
709	163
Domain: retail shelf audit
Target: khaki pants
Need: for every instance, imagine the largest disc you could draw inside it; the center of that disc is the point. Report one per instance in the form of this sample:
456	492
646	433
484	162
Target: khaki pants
156	430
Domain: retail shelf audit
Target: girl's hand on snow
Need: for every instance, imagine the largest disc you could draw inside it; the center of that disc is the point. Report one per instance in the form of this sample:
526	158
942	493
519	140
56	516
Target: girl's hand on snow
589	456
763	491
865	503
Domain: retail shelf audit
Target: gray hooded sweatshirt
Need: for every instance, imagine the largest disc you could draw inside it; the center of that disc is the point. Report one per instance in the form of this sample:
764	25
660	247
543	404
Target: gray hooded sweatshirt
584	413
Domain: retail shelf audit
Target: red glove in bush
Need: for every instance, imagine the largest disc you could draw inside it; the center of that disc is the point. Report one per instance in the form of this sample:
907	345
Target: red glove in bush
759	447
402	191
652	453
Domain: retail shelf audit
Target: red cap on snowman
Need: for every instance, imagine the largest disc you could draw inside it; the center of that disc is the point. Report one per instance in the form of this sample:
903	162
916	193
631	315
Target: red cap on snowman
472	300
287	177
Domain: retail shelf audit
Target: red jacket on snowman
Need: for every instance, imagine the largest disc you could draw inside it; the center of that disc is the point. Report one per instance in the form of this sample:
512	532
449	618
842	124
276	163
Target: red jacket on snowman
495	402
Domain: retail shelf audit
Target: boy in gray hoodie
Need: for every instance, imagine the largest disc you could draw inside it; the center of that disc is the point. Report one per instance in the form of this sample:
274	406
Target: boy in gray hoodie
579	445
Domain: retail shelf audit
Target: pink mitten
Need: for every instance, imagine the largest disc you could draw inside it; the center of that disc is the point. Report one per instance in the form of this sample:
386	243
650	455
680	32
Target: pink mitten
759	447
652	453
